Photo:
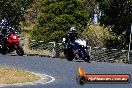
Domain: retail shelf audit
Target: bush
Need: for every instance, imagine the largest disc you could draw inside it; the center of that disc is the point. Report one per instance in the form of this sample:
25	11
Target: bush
98	36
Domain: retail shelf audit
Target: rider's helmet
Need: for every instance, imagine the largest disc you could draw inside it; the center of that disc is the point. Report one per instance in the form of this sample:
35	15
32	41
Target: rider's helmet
4	22
73	33
4	26
73	30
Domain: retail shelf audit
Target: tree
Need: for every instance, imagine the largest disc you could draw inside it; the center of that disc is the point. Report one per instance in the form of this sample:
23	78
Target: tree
32	13
118	15
13	10
56	18
91	6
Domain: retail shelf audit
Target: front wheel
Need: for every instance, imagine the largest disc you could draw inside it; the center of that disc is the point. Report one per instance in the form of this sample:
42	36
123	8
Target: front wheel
86	56
20	50
87	59
69	55
3	50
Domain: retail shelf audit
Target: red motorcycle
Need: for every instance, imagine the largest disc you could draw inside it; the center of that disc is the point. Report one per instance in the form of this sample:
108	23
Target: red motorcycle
11	43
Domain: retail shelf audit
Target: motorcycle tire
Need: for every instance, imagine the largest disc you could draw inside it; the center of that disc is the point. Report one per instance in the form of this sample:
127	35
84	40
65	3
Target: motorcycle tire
69	55
86	58
3	50
20	50
64	51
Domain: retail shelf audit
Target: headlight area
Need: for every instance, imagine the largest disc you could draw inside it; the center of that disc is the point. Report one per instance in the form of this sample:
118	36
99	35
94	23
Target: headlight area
14	37
84	43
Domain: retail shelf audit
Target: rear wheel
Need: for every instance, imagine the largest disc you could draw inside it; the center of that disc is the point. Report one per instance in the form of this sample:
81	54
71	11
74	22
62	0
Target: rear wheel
20	50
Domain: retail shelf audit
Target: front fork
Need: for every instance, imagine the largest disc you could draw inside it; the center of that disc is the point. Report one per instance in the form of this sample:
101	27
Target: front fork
16	46
78	53
82	53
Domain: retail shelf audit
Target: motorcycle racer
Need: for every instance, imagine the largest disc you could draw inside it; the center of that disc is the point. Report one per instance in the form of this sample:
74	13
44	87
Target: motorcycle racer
5	30
71	35
75	46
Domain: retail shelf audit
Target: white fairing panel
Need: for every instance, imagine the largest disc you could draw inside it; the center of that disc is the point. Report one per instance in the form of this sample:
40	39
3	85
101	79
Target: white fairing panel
81	42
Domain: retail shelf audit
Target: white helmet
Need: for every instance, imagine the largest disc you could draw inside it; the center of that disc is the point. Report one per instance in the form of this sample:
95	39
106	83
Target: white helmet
72	29
4	22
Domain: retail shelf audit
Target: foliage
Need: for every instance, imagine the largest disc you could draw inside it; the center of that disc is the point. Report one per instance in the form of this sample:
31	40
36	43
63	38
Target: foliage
56	18
91	4
13	10
32	13
118	15
98	36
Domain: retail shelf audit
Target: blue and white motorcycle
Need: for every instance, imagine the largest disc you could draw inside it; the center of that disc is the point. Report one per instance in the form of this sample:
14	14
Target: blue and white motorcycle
78	50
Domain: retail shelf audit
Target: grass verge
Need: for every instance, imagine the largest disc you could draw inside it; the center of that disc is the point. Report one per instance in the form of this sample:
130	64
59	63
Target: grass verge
10	76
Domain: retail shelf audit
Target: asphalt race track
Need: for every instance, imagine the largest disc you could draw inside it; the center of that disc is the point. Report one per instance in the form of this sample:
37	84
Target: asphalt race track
64	71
